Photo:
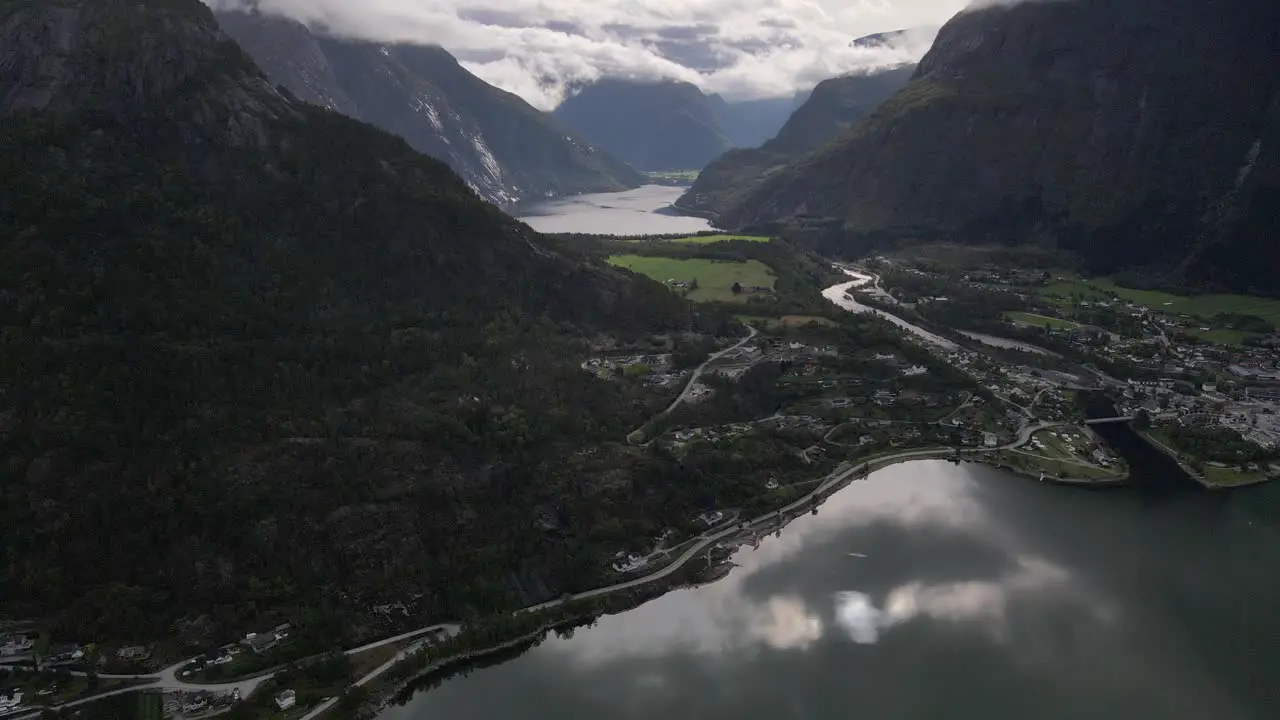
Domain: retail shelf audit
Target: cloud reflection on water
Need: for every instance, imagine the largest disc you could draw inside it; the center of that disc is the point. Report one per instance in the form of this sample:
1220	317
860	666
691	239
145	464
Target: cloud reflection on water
983	602
725	619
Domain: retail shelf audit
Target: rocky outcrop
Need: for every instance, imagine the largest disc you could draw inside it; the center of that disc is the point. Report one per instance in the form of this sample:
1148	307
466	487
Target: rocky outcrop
506	149
1118	130
832	107
112	57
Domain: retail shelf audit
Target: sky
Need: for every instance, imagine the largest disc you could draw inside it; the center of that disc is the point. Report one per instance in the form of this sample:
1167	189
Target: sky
540	49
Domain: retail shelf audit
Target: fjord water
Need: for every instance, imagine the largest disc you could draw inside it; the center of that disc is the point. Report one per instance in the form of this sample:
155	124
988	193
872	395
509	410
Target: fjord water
934	590
643	211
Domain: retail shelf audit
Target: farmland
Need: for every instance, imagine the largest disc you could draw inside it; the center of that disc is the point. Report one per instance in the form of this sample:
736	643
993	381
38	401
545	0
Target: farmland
1041	320
1206	306
715	278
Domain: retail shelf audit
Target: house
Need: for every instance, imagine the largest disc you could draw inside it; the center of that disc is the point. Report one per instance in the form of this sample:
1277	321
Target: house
286	699
261	642
627	562
14	645
10	701
282	631
196	703
711	517
990	440
133	653
771	484
64	654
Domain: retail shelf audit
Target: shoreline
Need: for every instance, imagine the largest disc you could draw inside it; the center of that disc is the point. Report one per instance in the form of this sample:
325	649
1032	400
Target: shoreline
1045	477
732	535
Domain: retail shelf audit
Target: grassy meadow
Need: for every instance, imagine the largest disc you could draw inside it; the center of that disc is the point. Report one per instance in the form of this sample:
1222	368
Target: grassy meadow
1041	320
1205	306
715	277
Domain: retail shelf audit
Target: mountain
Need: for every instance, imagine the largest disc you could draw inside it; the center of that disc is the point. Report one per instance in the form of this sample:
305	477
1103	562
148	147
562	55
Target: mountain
260	361
832	107
1142	135
883	39
748	123
503	147
653	125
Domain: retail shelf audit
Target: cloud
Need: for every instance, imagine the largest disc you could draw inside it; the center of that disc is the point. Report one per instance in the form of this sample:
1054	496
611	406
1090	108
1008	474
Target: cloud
984	603
540	48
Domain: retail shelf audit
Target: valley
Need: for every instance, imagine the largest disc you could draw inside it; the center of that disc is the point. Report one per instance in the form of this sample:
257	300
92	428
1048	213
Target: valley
689	376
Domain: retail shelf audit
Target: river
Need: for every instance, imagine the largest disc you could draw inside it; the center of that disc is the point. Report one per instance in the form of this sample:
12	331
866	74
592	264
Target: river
841	295
643	211
931	590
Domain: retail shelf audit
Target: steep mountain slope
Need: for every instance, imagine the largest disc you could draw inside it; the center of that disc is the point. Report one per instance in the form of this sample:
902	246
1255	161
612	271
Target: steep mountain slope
1136	133
833	106
749	123
502	146
663	125
258	357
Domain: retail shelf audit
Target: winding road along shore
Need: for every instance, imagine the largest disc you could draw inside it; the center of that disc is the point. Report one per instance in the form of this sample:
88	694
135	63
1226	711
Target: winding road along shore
167	678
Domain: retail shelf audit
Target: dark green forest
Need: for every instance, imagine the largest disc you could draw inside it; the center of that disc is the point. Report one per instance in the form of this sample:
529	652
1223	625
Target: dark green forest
260	361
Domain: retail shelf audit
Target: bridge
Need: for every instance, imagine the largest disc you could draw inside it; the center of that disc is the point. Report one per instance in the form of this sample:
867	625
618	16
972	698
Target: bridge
1104	421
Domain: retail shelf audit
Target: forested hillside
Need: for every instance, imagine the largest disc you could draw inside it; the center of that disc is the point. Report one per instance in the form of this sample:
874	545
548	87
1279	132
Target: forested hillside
1138	134
258	358
833	106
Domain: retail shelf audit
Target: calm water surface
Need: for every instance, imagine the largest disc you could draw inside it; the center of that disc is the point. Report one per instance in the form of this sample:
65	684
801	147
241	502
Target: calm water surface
634	212
931	590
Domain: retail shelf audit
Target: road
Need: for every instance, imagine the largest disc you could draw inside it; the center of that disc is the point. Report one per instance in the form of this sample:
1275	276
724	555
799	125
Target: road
167	678
697	372
451	628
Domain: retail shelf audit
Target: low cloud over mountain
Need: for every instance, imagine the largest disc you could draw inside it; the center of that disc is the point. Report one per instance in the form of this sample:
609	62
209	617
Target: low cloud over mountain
540	48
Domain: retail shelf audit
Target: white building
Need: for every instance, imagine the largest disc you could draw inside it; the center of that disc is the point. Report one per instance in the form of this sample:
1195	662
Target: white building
286	699
10	701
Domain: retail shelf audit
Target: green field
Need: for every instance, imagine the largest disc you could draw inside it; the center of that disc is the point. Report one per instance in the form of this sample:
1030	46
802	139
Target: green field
715	277
1041	320
1231	477
708	239
1200	305
786	321
1222	337
677	175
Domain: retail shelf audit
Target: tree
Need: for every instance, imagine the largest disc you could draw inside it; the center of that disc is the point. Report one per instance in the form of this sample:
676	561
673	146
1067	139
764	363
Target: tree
737	289
694	284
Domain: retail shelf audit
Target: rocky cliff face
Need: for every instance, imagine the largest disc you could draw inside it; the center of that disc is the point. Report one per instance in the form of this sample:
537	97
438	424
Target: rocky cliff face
663	125
832	107
504	148
64	56
1136	133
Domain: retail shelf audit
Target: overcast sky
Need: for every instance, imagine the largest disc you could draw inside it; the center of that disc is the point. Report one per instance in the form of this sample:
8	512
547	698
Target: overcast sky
739	48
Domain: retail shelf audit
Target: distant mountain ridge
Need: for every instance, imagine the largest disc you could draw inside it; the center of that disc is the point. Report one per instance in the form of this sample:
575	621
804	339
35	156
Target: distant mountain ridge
832	107
507	150
1140	134
653	125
